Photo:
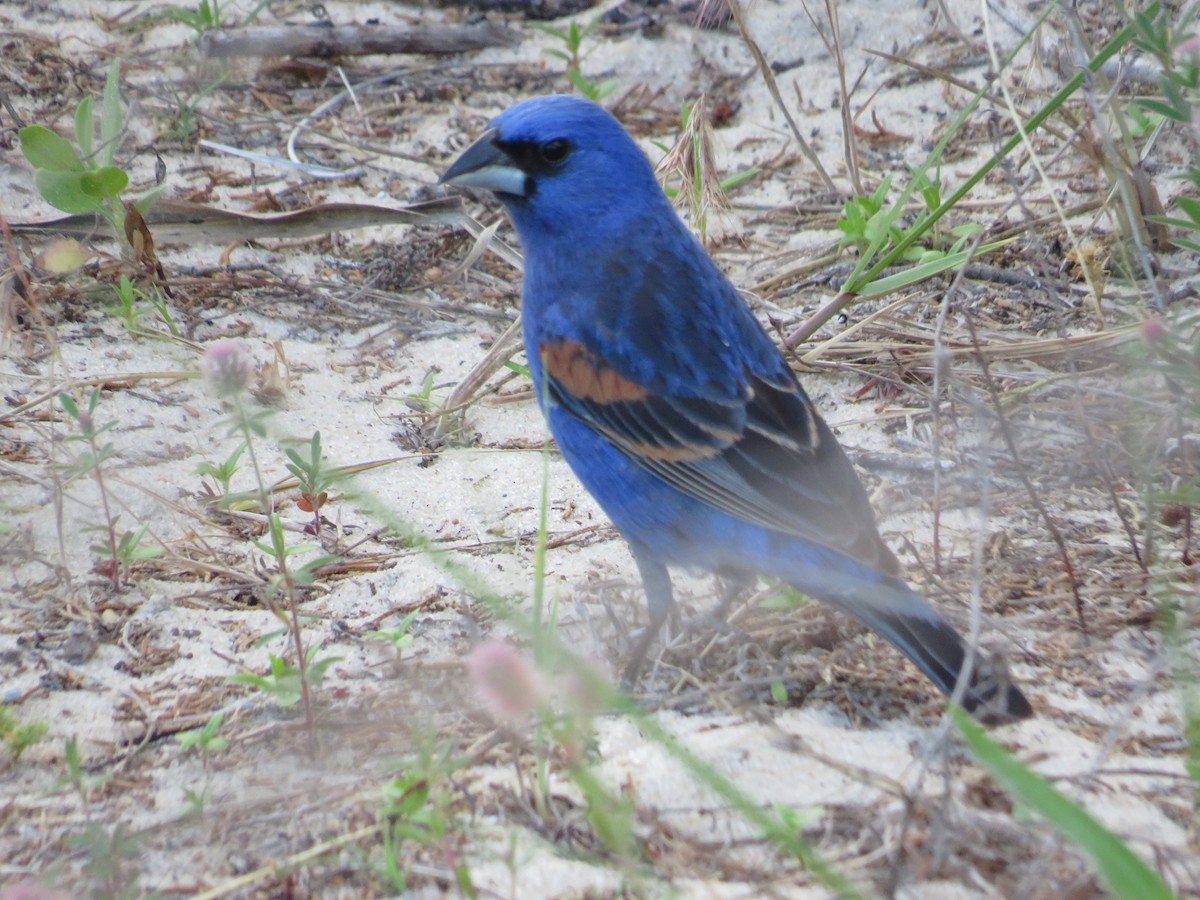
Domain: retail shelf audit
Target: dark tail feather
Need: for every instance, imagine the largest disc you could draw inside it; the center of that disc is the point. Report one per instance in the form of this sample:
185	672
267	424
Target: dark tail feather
937	650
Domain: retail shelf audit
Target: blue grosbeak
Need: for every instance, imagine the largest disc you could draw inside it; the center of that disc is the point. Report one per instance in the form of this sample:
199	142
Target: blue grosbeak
672	404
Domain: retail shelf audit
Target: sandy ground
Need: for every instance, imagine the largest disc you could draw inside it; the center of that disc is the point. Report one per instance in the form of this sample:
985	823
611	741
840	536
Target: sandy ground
347	330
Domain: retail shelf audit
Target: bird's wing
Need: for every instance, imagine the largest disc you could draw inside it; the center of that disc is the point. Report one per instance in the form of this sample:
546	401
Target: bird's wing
765	457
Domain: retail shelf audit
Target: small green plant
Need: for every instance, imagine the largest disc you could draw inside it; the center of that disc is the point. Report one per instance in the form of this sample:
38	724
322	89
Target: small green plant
873	226
83	180
133	303
206	740
797	820
230	370
184	120
128	553
1179	81
416	808
196	801
18	738
286	579
110	858
284	680
85	785
205	17
223	472
399	637
572	38
423	399
1179	58
287	684
315	480
119	552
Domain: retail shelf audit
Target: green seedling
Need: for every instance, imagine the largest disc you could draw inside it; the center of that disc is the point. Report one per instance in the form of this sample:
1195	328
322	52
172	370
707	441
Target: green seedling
797	820
416	809
82	178
184	120
205	17
287	684
423	400
85	785
196	801
120	552
109	860
18	738
315	480
129	551
399	637
133	303
206	740
572	38
222	472
285	579
872	225
230	370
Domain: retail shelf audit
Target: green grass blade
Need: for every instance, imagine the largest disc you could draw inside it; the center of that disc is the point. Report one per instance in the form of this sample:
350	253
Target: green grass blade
856	281
1124	873
949	262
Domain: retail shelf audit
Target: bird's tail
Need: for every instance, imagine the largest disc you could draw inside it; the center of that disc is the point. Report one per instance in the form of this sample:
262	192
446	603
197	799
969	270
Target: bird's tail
890	607
937	650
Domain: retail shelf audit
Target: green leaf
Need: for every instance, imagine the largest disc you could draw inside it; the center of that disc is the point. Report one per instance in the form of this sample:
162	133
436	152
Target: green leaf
927	270
106	184
46	150
64	190
1163	109
111	118
68	403
1190	206
1174	223
1124	873
740	178
84	127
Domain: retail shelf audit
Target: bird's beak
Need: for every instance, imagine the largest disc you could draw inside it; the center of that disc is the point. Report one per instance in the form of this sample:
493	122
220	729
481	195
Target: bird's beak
485	165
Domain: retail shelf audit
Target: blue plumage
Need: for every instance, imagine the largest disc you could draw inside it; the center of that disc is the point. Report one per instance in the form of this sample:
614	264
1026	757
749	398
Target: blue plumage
672	404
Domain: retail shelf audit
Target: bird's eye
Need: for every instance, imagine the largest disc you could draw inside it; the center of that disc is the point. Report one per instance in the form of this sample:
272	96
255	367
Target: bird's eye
555	151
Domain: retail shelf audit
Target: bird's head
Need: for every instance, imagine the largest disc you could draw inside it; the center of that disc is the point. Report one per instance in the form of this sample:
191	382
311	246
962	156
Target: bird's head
560	164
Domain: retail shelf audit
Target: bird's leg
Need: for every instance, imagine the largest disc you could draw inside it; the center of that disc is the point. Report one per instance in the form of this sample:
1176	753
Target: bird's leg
660	600
734	584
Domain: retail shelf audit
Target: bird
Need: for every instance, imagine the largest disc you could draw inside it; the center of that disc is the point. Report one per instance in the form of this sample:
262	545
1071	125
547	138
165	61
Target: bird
672	404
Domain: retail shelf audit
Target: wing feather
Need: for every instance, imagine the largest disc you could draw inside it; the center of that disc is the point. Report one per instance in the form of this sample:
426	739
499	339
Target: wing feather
765	457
